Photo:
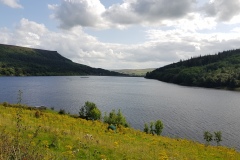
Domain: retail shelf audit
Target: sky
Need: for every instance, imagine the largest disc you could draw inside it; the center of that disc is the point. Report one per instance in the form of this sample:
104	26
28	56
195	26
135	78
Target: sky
122	34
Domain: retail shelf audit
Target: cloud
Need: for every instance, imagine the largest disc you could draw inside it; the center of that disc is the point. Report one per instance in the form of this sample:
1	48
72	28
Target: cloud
161	48
152	10
91	13
223	10
187	44
12	3
86	13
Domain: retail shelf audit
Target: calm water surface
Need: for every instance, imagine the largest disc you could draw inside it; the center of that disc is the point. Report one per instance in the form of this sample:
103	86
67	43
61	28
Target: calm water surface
185	111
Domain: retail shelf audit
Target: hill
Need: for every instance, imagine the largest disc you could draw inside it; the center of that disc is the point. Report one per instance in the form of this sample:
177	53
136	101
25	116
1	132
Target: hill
135	72
221	70
24	134
22	61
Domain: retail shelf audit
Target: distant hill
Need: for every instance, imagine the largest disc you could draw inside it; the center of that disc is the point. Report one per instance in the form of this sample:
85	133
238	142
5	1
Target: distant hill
135	72
22	61
221	70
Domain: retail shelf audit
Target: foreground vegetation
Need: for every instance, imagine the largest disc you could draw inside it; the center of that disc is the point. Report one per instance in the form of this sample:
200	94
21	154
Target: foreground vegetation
21	61
221	70
30	133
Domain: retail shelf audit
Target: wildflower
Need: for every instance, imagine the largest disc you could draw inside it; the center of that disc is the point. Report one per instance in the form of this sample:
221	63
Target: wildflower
30	135
163	155
68	147
45	143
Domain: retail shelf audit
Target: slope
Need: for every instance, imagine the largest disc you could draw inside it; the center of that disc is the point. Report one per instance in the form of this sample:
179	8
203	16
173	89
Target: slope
221	70
22	61
26	133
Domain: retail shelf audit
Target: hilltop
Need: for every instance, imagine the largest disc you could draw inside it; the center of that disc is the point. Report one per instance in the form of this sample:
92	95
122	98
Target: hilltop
221	70
28	133
22	61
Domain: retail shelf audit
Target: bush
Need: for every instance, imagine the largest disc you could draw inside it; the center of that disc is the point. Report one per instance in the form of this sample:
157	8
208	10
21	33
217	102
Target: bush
37	114
155	127
158	127
208	137
115	118
62	111
90	111
218	137
146	128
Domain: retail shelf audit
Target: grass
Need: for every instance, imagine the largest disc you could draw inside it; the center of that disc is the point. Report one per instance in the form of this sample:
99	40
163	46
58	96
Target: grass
55	136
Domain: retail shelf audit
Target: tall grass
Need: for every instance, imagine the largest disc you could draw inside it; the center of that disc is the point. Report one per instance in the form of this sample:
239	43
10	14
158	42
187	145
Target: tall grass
23	135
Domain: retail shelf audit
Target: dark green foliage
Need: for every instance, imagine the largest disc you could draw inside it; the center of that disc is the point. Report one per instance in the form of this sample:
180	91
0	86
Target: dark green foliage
155	127
62	111
90	111
218	137
158	127
21	61
208	137
146	128
221	70
152	130
115	118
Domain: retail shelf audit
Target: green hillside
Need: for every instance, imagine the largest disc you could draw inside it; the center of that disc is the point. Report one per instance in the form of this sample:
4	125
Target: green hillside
28	133
21	61
221	70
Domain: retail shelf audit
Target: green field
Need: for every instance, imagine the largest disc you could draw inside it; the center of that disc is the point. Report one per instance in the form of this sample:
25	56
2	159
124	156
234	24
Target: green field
27	133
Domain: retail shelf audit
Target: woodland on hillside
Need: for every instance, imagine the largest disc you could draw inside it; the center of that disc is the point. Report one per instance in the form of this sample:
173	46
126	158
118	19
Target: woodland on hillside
21	61
221	70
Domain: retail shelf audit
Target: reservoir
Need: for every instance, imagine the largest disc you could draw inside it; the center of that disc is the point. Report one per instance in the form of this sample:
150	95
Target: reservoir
186	112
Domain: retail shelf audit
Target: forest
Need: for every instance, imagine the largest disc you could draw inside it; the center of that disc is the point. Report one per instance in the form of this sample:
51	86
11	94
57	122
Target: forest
221	70
21	61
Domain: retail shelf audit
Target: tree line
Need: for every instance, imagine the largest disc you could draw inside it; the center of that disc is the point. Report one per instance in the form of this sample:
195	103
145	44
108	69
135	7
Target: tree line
221	70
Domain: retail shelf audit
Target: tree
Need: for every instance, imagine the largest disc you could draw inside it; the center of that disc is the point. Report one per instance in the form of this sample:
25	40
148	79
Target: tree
208	137
158	127
155	127
151	128
90	111
218	137
146	128
115	118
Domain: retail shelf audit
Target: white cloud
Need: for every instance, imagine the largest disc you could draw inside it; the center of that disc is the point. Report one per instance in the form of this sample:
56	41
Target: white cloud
91	13
194	43
223	10
85	13
162	46
12	3
236	30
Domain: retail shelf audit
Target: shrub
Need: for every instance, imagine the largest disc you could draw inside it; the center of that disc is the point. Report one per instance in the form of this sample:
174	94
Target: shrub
218	137
62	111
208	137
37	114
155	127
90	111
158	127
146	128
5	104
115	118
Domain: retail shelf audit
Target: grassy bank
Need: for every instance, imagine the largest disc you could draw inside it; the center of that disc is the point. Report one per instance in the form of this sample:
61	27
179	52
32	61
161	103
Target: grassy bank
33	134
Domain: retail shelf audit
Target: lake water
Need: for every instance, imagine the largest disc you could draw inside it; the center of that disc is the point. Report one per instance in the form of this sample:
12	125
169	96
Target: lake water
186	112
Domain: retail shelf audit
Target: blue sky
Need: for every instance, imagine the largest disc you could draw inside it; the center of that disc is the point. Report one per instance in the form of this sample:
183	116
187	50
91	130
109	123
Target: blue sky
122	34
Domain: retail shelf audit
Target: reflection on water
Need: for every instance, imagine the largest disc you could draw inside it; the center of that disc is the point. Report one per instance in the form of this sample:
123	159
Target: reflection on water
185	111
